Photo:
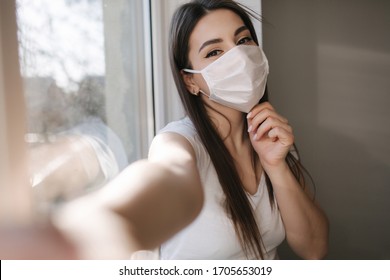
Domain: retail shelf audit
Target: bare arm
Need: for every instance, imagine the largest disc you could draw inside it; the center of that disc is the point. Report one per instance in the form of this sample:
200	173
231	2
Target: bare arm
305	223
144	206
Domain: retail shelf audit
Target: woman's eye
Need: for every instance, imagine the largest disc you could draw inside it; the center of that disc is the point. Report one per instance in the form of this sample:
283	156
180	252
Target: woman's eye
213	53
244	40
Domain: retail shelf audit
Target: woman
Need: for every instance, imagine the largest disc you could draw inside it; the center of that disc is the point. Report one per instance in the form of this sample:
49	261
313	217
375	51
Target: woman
220	183
234	149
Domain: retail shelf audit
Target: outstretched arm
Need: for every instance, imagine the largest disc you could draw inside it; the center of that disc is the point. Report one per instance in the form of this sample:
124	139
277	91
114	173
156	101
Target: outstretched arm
144	206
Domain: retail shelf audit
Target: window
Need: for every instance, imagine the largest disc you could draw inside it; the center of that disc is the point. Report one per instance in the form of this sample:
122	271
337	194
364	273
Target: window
94	86
86	70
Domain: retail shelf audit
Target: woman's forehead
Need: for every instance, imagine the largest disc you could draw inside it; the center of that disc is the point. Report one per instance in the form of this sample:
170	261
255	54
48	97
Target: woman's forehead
216	24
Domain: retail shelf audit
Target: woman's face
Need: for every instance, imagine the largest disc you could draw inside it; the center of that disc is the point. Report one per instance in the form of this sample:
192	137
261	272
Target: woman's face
215	34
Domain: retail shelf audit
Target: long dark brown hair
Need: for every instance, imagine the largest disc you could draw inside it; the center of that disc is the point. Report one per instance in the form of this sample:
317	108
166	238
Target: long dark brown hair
237	204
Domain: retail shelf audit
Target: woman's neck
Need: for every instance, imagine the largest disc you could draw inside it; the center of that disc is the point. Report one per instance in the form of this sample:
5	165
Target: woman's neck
230	125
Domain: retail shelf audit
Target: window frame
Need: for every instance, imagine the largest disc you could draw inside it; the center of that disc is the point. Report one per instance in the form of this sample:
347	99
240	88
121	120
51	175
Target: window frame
142	82
15	192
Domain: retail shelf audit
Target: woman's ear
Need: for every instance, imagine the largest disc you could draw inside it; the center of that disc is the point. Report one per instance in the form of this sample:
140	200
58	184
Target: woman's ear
190	83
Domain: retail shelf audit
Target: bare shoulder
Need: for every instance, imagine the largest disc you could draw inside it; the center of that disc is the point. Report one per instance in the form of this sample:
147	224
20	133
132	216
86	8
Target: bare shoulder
175	153
172	148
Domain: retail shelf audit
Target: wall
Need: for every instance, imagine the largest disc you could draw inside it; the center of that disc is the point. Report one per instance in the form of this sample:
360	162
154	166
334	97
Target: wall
330	75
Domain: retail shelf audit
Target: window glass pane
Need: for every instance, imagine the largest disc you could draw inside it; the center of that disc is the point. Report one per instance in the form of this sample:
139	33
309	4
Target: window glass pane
84	81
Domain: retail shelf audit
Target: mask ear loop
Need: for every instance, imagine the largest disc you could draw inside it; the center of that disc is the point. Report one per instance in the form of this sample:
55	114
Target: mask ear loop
195	72
192	71
194	92
205	94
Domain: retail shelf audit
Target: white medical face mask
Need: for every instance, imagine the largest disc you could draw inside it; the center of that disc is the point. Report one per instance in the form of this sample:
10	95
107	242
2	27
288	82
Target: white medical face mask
237	79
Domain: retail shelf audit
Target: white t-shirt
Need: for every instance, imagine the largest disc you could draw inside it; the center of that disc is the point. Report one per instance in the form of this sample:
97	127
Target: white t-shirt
211	235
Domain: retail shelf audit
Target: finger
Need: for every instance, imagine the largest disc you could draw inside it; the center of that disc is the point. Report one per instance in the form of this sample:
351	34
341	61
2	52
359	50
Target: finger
259	107
269	124
254	122
282	135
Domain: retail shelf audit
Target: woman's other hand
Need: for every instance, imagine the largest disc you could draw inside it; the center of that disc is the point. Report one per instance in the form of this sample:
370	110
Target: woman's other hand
270	134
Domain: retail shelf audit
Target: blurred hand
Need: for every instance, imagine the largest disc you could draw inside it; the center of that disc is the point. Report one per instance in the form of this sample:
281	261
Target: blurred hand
42	242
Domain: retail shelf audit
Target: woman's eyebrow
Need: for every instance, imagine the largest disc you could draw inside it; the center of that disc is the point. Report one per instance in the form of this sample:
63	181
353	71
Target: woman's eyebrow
240	29
209	42
218	40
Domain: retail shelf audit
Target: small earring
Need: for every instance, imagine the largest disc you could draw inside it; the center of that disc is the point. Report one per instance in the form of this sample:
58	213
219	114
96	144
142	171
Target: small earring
194	92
